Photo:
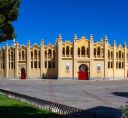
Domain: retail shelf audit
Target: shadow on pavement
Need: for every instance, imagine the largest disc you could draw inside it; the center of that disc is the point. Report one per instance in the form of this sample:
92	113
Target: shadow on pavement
121	94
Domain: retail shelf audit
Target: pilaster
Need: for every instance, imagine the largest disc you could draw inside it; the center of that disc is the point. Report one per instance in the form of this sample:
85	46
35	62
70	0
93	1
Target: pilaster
106	57
28	60
42	59
16	60
75	48
91	48
59	53
114	60
6	60
125	60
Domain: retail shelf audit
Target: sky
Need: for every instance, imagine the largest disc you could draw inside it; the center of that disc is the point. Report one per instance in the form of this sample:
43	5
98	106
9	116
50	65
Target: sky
46	19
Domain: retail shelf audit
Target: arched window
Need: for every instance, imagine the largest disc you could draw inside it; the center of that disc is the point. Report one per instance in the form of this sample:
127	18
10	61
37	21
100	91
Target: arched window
119	64
98	51
71	51
63	51
108	64
119	54
111	54
108	53
83	50
94	51
31	54
19	55
102	52
122	64
22	55
67	50
49	53
11	55
35	54
122	55
111	64
78	51
116	64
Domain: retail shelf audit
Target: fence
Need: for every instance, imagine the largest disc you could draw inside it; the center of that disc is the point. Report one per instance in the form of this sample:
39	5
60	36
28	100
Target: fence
67	111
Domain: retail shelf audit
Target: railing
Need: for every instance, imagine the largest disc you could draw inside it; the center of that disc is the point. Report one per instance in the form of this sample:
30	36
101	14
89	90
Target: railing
66	111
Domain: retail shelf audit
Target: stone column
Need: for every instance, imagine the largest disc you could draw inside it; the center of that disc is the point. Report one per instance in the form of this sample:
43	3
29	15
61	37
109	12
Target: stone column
16	60
59	54
91	48
42	59
28	60
106	57
75	48
6	61
125	60
114	60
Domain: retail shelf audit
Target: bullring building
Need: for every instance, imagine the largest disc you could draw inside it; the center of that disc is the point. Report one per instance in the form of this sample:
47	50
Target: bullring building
81	59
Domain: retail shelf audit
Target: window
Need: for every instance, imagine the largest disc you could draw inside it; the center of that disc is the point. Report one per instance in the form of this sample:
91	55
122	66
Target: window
98	51
98	68
19	55
49	53
67	67
35	64
119	64
31	54
111	64
108	64
122	64
83	50
78	51
122	55
31	64
67	50
63	51
35	54
119	54
95	51
111	54
116	64
49	64
22	55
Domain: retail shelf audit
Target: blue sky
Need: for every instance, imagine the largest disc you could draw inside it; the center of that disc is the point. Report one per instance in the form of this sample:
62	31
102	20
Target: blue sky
47	18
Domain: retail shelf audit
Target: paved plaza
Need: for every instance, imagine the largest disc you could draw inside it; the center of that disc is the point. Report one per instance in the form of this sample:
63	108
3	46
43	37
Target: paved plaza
101	96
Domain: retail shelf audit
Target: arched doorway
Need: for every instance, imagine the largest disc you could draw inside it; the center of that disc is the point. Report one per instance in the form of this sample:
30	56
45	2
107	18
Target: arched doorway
23	74
83	72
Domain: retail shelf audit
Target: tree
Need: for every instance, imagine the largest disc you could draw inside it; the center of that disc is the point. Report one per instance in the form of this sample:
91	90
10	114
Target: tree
9	11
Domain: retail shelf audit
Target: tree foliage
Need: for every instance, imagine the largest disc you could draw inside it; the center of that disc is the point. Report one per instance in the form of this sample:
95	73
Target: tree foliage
9	10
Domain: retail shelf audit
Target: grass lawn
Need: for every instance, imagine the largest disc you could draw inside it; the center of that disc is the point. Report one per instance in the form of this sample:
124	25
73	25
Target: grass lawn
10	108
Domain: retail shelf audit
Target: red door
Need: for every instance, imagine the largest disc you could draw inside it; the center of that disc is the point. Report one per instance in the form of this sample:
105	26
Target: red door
83	75
23	75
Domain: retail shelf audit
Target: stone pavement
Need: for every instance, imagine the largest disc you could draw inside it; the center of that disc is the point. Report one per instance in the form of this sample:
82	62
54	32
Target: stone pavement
100	96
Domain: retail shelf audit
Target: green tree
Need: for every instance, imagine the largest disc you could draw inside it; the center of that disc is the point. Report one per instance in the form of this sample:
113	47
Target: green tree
9	10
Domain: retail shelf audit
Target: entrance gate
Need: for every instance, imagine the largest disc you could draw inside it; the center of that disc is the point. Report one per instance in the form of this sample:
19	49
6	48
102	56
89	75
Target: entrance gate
23	75
83	72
